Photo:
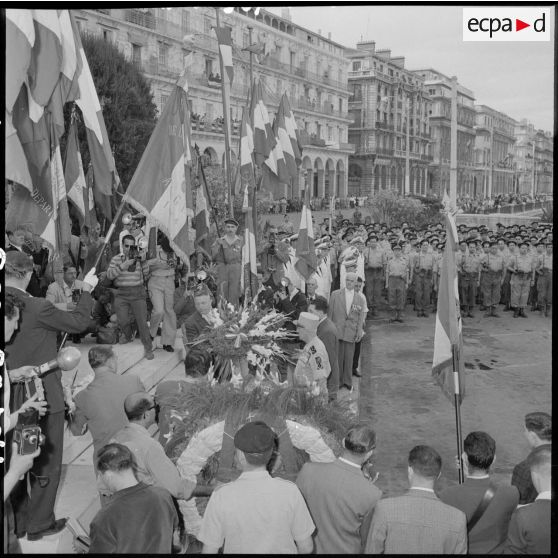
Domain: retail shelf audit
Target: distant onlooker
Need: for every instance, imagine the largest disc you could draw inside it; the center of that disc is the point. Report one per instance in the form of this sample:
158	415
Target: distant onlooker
418	522
340	498
138	519
538	431
530	525
487	523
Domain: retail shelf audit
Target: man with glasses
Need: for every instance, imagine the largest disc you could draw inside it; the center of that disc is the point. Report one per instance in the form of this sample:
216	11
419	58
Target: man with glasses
128	272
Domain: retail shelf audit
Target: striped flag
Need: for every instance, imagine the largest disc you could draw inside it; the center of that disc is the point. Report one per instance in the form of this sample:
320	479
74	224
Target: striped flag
249	276
447	362
20	38
264	138
306	263
289	167
224	38
159	185
76	186
104	168
201	222
17	169
292	129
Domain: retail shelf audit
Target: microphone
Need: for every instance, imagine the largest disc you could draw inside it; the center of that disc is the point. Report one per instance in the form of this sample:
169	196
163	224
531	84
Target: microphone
67	358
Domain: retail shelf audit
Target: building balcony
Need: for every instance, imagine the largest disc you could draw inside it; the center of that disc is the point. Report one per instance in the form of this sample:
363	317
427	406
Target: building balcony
384	126
304	104
426	157
370	74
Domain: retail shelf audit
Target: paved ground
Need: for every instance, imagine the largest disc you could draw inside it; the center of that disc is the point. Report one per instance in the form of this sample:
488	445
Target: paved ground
508	374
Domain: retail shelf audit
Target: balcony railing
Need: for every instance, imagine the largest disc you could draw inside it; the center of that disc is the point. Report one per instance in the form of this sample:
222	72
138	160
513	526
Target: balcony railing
384	126
303	103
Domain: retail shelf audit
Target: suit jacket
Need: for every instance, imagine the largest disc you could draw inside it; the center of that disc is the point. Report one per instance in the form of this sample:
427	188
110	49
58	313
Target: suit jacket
35	341
194	326
417	523
521	478
292	308
341	502
529	530
327	333
492	528
349	326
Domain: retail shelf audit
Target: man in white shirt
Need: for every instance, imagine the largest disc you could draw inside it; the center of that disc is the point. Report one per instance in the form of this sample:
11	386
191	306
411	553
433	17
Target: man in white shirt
256	514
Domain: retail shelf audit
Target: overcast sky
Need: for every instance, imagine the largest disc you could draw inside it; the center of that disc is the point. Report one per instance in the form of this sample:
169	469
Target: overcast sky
514	78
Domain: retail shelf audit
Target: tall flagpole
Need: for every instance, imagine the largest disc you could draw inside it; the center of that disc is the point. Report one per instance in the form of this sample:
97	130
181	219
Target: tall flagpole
457	401
225	91
453	145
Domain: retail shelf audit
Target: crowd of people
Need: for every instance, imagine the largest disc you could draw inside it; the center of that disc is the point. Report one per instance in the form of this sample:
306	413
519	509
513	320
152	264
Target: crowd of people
294	205
147	291
482	204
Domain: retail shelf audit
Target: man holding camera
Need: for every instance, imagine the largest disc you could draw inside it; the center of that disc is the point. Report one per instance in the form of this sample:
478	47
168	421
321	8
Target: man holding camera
65	294
273	257
227	254
128	272
35	344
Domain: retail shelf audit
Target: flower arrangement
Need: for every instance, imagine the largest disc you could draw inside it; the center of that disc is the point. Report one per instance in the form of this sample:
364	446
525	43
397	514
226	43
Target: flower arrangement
245	339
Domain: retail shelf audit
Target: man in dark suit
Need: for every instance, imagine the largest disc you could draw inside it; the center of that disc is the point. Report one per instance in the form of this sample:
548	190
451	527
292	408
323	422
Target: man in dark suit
491	529
18	243
340	498
327	333
290	301
418	522
200	321
35	344
538	431
529	530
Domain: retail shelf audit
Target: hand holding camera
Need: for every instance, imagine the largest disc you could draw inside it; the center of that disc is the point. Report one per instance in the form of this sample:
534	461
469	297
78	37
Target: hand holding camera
28	438
21	463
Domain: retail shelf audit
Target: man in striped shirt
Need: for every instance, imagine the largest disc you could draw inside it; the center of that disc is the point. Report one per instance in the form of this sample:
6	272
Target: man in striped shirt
128	274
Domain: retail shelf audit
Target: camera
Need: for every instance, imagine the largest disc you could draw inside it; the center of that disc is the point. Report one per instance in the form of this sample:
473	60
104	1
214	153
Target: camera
28	438
133	253
76	295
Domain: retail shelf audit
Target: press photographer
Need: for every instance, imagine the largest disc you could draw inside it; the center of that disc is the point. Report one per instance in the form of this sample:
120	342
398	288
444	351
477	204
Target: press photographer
273	256
34	512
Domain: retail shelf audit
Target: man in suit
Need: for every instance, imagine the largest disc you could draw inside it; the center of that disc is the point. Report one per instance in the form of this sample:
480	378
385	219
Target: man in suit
340	498
538	431
290	301
327	333
201	320
311	288
529	530
35	344
418	522
347	310
491	529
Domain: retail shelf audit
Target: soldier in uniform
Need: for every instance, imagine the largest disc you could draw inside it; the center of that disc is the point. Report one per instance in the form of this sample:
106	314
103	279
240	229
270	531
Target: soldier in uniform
374	262
522	269
492	277
470	267
227	254
482	256
506	288
544	272
424	271
536	251
397	280
458	261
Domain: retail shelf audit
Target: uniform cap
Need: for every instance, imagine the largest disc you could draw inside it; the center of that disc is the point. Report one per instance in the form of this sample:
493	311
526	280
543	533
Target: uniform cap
307	321
231	221
254	437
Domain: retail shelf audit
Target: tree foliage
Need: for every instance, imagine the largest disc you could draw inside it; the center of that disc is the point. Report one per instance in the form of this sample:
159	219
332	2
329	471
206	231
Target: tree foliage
129	111
388	206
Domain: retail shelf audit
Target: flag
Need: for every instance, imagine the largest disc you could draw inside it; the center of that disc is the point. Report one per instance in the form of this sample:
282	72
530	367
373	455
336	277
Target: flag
249	276
20	38
224	38
158	187
104	168
286	170
264	138
201	222
76	186
307	262
16	169
246	164
292	129
447	362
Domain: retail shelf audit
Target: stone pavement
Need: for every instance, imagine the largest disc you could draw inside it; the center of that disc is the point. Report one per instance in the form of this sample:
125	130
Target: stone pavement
508	374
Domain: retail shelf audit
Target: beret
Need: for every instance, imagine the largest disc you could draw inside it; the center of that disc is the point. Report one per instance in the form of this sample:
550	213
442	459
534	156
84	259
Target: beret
254	437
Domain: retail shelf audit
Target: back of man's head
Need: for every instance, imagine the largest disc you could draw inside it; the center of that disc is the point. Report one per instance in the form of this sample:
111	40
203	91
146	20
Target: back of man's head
136	405
116	458
480	448
540	424
360	439
425	462
320	304
540	460
18	264
99	355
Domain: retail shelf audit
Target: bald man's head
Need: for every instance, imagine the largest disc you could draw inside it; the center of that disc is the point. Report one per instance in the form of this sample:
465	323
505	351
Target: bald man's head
137	404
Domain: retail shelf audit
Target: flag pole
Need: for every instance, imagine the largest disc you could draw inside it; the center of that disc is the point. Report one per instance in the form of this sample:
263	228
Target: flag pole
457	402
200	170
225	89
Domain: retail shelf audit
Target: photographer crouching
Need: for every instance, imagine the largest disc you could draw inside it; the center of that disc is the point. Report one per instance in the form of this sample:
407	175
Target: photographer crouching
128	272
35	344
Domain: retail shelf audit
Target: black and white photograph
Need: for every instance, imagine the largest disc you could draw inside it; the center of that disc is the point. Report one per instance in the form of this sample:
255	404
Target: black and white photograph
277	279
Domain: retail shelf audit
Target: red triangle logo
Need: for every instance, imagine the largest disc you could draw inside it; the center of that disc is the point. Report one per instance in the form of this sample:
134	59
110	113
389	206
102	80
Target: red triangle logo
519	25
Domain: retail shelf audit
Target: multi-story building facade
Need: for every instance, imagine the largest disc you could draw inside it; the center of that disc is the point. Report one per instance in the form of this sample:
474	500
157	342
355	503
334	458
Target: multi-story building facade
439	87
534	159
389	108
312	70
495	167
